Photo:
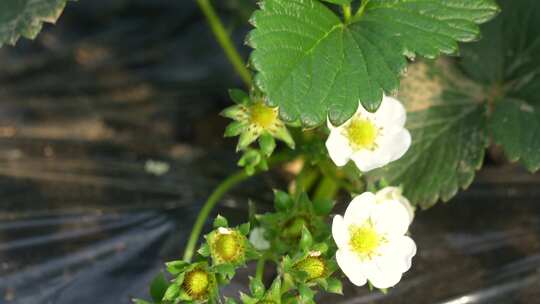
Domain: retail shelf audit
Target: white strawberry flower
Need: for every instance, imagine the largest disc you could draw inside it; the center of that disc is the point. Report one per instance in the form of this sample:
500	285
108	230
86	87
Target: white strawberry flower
371	140
371	240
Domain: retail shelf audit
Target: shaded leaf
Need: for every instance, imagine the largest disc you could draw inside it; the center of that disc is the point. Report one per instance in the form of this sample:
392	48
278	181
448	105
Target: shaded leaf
25	17
448	128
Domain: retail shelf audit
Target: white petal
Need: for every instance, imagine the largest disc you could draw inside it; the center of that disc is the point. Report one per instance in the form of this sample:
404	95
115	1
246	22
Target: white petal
338	148
394	193
400	144
391	112
367	160
384	279
257	239
340	233
350	265
360	209
397	254
388	193
390	218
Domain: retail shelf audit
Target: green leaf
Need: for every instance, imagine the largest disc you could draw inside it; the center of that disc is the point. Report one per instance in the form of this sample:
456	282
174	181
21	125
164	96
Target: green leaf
267	144
314	66
306	294
227	270
239	96
220	221
323	206
158	287
204	250
244	228
176	267
25	17
448	139
511	78
334	286
306	240
256	287
140	301
516	126
282	200
235	128
171	293
230	301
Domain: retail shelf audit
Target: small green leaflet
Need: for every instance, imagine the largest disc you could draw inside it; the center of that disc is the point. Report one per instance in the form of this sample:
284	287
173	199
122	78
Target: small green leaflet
25	17
448	127
516	125
314	66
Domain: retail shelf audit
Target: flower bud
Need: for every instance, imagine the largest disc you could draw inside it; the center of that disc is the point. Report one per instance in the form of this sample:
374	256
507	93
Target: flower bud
227	246
314	265
197	283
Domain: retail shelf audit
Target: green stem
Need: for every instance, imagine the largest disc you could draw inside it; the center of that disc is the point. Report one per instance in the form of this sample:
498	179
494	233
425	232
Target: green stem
225	41
259	273
346	13
360	11
305	179
214	198
327	189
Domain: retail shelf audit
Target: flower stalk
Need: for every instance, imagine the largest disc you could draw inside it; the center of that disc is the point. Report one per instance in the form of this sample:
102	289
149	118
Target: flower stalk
225	41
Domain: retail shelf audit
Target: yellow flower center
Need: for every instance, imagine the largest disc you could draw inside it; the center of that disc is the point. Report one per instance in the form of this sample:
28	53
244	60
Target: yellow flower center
229	247
313	266
364	240
196	283
362	133
262	115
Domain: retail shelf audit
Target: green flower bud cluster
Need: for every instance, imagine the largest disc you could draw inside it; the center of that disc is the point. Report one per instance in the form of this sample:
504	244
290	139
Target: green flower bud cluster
292	214
298	243
310	268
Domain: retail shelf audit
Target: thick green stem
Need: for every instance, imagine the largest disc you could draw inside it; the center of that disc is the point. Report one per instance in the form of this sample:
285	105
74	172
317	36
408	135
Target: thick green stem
259	273
346	13
225	41
214	198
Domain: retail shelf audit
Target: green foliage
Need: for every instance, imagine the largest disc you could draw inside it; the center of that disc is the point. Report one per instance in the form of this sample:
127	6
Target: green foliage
158	287
25	17
453	115
259	294
448	144
295	223
511	78
516	126
312	64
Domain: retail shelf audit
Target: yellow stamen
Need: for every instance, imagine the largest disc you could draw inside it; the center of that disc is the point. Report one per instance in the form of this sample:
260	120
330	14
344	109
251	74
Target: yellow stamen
364	240
362	133
262	115
196	283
